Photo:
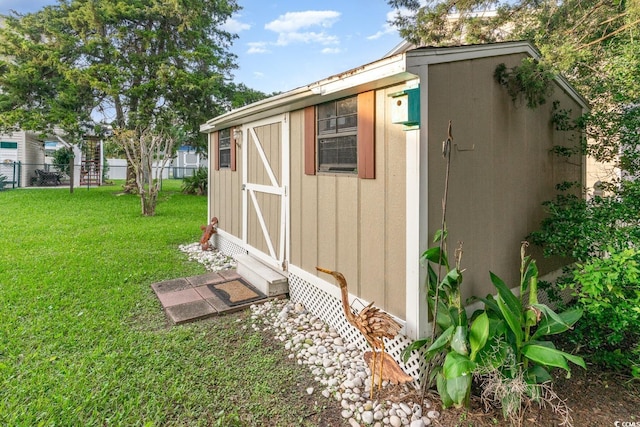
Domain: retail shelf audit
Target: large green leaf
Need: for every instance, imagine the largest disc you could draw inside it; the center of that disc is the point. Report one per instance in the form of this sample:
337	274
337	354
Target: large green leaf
551	357
478	334
538	374
435	256
553	323
441	384
444	318
489	302
442	340
457	365
458	389
505	293
512	320
459	341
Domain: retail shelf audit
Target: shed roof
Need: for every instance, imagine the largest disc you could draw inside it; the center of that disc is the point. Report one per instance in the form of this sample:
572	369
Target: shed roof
395	67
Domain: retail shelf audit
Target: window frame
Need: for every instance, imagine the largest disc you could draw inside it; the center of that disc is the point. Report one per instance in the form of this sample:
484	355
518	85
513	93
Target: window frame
224	138
340	129
217	147
365	148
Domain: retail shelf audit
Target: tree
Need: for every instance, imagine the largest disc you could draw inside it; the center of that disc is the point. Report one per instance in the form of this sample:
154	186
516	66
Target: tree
137	67
593	42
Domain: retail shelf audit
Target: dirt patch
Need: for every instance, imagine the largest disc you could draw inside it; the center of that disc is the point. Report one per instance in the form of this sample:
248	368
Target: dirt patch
595	398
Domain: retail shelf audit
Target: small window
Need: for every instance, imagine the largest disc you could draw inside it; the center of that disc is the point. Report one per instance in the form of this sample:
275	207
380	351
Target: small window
224	148
9	145
337	135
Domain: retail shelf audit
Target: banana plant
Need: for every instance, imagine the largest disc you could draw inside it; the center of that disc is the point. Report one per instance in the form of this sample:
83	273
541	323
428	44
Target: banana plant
526	324
459	342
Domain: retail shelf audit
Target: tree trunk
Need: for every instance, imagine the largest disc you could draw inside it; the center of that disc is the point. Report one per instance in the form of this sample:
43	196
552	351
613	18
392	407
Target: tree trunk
148	201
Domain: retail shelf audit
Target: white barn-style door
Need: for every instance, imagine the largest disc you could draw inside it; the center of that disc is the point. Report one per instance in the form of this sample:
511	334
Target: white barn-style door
265	178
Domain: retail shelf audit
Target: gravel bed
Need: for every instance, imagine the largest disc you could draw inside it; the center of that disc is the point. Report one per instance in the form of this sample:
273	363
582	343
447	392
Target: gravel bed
213	259
339	368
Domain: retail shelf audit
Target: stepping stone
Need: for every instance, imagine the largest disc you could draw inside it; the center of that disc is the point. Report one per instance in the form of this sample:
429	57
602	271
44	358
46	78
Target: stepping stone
170	299
206	279
191	311
170	286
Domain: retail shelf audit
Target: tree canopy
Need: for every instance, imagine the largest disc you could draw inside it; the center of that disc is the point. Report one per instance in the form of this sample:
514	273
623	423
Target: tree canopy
594	43
129	64
147	72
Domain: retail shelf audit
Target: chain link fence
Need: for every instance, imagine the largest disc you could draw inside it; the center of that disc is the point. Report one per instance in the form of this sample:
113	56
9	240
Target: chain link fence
19	174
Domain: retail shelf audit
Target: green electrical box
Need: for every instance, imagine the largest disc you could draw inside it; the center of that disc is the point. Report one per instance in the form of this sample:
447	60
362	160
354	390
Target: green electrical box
405	107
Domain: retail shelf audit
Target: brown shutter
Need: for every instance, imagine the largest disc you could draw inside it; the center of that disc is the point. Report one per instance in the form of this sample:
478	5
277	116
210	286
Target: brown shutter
233	150
310	140
366	135
215	151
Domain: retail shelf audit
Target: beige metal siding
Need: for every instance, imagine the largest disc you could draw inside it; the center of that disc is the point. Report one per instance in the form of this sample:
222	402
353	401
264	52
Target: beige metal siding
356	226
225	194
501	168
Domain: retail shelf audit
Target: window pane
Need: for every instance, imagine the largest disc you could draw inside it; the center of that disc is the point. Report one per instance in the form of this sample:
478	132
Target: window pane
327	110
225	158
338	154
327	126
348	123
347	106
224	148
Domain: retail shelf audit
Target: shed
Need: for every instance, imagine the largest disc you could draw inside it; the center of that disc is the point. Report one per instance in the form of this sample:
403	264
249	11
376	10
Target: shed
340	174
21	153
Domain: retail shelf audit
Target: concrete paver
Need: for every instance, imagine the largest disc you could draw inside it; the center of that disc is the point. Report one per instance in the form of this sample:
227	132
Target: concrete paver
192	298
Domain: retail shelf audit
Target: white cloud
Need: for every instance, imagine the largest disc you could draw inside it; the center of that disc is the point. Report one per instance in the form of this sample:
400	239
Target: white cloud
258	74
234	26
293	21
257	47
287	38
331	50
290	27
387	28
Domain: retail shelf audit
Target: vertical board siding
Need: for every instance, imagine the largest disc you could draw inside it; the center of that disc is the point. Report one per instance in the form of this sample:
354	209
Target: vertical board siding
214	150
225	192
310	140
350	224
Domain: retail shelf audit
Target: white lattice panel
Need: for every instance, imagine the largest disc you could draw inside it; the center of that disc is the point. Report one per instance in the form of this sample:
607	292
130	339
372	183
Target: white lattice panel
225	246
329	309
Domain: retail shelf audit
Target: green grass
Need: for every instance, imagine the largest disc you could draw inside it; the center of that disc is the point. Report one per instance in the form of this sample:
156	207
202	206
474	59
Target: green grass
83	339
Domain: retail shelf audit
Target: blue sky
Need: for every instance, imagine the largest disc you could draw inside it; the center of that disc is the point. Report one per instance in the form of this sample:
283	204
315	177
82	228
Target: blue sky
285	44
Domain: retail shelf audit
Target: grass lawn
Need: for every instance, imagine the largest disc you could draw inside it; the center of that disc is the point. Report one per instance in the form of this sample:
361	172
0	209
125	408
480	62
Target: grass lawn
84	341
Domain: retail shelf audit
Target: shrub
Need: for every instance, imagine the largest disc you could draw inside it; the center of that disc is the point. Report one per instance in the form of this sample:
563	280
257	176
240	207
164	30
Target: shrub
608	291
197	183
62	158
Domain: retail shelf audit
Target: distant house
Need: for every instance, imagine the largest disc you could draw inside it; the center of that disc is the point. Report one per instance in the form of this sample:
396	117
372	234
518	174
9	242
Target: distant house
21	153
348	173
